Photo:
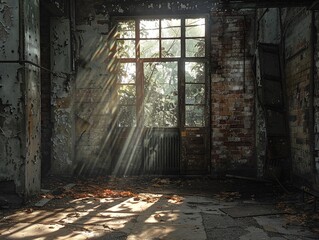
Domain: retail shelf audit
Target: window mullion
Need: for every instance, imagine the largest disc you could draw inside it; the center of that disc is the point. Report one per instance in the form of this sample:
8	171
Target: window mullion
183	38
160	38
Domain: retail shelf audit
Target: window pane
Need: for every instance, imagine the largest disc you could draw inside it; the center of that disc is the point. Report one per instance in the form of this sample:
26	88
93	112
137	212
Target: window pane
195	47
127	116
127	94
149	28
126	48
126	29
194	72
171	48
194	116
149	48
195	93
127	73
195	27
171	28
161	94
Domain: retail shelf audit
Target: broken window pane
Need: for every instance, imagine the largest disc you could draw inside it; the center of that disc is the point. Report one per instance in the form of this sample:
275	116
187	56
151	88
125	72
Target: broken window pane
149	48
127	116
127	94
171	28
161	94
194	72
195	47
171	48
126	48
126	29
195	27
195	93
127	73
194	116
149	28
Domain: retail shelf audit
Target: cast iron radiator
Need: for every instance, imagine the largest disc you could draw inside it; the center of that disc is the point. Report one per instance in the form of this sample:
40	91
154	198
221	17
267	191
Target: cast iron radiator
162	152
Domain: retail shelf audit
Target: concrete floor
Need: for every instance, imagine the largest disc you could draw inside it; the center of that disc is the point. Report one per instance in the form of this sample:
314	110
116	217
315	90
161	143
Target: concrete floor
160	209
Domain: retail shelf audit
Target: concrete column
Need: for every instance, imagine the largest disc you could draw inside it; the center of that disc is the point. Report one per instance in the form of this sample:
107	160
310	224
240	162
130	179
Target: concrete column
20	131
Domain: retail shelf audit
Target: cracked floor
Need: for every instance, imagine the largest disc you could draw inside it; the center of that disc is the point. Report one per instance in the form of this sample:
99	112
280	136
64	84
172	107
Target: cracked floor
160	208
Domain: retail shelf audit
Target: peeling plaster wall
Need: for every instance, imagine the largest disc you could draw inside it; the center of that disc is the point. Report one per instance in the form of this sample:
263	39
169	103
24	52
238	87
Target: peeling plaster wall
233	94
12	123
32	96
9	30
62	98
20	96
12	130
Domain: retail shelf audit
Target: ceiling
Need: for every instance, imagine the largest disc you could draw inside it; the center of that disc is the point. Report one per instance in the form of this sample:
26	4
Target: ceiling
235	4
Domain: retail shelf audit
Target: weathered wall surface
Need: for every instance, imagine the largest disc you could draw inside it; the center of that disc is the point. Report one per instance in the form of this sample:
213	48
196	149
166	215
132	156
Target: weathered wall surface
298	62
20	96
232	93
32	96
62	98
296	36
232	82
12	130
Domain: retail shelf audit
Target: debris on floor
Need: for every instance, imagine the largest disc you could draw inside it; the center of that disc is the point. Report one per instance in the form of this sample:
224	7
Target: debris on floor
133	208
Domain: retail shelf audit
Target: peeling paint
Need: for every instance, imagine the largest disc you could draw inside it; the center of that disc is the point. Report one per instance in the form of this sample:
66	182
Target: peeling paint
20	101
63	135
9	29
5	21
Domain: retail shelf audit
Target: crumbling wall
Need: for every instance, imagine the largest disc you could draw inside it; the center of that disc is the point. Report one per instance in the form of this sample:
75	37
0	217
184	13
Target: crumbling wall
62	99
293	28
11	98
232	93
32	95
298	64
20	95
232	82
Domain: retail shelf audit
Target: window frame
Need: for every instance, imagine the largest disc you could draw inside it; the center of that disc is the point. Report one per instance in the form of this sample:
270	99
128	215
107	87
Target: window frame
139	105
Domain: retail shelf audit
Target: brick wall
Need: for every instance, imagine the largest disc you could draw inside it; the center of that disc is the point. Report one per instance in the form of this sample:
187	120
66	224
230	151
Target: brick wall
232	94
298	58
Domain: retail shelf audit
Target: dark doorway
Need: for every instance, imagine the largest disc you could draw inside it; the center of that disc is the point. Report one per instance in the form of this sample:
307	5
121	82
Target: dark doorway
46	123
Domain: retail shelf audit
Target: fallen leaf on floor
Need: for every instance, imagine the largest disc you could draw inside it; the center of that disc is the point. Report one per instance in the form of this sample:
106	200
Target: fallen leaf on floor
29	210
174	199
48	196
